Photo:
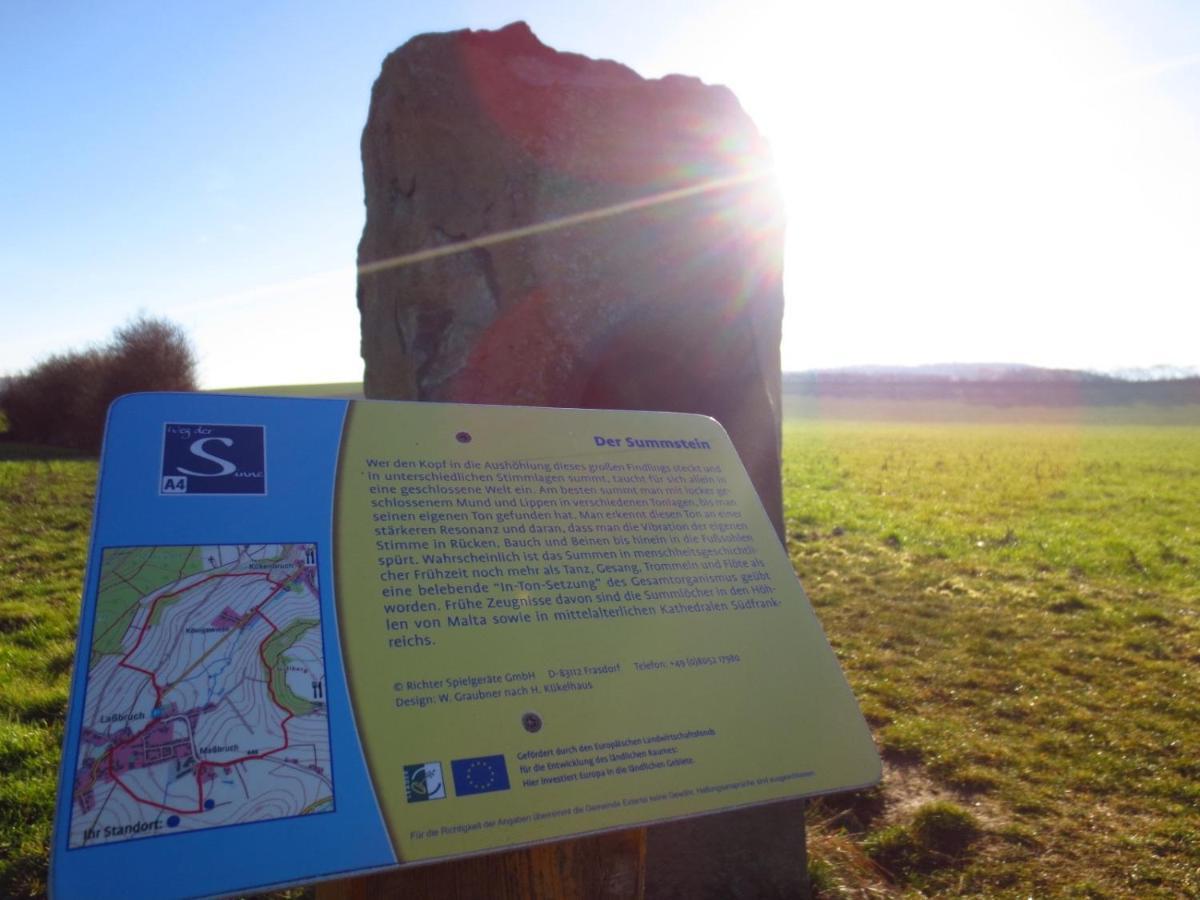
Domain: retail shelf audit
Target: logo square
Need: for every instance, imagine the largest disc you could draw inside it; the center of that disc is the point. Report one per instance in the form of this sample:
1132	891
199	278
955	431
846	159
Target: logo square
213	459
423	781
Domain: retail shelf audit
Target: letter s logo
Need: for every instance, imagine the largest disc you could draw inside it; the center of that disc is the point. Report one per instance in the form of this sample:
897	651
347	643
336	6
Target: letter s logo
197	448
231	460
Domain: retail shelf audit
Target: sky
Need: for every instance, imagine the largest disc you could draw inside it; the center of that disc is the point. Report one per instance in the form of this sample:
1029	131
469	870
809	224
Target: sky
965	181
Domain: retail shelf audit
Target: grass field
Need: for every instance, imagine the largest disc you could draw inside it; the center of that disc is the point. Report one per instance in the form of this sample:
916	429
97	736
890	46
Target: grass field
1016	604
1018	610
45	511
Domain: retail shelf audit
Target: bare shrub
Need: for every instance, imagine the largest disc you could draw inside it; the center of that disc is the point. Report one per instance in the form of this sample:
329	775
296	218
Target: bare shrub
63	400
149	355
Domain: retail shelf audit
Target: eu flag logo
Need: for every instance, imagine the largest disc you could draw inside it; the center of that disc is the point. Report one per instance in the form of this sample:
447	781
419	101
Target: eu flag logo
479	775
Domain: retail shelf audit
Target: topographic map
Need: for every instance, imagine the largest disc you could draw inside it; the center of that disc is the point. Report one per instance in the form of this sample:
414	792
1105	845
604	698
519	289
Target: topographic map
205	701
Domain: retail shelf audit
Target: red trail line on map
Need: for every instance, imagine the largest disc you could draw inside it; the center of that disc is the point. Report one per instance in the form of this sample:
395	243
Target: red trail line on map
202	767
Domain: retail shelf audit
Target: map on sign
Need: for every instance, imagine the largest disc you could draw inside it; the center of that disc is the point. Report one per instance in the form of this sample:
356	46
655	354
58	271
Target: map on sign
205	702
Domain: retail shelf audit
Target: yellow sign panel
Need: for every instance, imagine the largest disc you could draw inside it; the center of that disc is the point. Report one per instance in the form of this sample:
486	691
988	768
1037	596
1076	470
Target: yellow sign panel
561	621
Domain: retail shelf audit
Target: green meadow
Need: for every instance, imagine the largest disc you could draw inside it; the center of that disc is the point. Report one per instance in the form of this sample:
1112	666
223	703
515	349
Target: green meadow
45	510
1017	607
1014	596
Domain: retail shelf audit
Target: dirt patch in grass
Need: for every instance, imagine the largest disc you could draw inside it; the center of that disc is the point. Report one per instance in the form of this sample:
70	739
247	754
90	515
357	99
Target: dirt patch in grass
907	787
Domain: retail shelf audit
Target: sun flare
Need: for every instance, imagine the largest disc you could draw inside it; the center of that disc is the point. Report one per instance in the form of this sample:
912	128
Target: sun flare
968	181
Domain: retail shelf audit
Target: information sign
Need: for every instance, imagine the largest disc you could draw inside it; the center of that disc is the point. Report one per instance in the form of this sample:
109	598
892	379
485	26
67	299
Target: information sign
325	637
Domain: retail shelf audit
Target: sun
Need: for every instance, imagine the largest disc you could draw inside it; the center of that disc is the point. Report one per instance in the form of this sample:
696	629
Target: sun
966	182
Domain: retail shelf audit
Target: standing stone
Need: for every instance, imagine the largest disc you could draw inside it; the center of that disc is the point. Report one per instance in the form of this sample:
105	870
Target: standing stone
551	230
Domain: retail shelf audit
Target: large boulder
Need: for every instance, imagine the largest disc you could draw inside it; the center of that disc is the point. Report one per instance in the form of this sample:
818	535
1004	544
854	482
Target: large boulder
552	230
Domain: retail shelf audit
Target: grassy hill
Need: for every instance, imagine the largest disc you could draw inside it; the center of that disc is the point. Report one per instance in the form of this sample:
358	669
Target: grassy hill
348	390
1002	387
1009	394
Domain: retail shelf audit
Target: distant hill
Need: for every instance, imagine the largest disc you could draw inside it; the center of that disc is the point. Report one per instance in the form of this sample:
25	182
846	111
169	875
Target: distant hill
991	384
959	371
996	384
1156	373
347	390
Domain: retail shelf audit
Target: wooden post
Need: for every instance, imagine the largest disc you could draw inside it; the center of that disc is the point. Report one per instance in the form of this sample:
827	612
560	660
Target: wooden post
759	853
601	867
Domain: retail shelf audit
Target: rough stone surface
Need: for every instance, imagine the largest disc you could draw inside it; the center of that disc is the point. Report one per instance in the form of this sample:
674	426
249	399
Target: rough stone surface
602	298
